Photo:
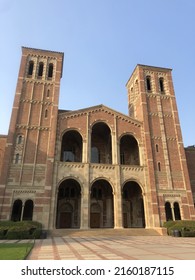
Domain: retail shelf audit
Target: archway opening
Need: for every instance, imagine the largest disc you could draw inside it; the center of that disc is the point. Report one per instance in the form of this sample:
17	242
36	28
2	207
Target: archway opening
129	150
177	211
71	150
101	205
68	204
28	210
133	206
168	212
101	147
16	210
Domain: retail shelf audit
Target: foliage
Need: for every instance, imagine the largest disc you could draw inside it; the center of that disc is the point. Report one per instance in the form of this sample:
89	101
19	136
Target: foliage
20	230
186	228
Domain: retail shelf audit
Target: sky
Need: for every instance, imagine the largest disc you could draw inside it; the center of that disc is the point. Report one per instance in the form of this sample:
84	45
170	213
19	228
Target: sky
102	41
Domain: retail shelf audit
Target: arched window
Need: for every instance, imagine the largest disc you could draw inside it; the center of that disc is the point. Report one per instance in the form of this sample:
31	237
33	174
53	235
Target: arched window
71	149
17	158
19	140
30	68
129	150
48	93
177	211
40	72
46	113
28	210
161	85
168	211
16	210
101	139
148	83
50	71
157	148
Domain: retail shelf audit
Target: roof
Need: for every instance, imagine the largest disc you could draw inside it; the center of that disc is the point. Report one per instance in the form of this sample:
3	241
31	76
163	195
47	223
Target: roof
102	107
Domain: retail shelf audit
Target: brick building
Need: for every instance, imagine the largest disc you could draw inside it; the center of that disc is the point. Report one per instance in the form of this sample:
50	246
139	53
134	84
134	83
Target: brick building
94	167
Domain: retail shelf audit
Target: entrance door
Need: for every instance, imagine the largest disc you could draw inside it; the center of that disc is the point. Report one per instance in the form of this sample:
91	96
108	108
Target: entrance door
65	220
95	220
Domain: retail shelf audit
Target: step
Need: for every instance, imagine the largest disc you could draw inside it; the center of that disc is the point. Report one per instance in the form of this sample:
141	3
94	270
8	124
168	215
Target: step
104	232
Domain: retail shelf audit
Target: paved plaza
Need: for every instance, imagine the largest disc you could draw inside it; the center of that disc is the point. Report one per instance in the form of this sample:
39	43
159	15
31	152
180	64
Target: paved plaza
113	248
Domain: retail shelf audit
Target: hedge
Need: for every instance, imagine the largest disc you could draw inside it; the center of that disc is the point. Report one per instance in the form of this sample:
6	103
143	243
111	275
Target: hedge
20	230
186	228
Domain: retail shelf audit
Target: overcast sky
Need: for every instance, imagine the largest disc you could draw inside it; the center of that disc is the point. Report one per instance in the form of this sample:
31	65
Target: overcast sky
103	41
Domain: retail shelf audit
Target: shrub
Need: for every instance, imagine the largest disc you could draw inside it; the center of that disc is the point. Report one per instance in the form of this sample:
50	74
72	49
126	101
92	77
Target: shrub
186	228
20	230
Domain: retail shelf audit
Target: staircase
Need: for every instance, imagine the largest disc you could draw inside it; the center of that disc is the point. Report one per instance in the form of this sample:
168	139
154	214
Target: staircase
105	232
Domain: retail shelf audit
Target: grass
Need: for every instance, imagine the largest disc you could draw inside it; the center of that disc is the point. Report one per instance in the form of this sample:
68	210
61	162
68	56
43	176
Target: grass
14	251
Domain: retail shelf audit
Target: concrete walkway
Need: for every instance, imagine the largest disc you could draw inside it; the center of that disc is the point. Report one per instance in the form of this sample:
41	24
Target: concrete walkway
113	248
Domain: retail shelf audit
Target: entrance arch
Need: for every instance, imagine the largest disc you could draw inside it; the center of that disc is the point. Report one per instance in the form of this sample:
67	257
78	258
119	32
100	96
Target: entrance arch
101	205
133	206
68	204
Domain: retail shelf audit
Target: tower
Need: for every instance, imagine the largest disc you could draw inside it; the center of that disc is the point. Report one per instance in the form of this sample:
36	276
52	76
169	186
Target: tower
29	155
151	99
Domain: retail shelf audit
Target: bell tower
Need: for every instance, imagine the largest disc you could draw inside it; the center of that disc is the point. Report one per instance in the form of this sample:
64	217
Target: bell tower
29	154
151	99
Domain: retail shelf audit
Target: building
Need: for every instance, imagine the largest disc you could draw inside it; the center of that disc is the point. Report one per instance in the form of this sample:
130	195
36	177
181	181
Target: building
94	167
190	157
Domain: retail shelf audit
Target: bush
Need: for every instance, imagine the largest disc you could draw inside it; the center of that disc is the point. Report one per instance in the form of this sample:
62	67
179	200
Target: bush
20	230
186	228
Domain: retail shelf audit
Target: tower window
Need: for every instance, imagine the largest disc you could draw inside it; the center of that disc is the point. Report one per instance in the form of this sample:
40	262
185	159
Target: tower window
17	158
50	71
19	140
159	166
30	68
157	148
40	73
48	93
46	113
161	84
148	83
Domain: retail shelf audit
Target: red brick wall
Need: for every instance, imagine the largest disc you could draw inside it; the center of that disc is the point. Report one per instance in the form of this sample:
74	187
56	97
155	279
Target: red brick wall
190	157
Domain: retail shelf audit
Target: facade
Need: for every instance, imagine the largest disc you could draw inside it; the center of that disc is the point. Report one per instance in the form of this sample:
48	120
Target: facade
190	157
94	167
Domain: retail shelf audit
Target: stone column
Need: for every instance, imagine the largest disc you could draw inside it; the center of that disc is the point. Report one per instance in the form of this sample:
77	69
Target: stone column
85	207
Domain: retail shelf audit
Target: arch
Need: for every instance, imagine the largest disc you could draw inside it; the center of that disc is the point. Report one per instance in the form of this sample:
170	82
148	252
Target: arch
168	212
16	210
50	70
133	205
129	150
102	142
176	211
68	204
28	210
72	146
101	205
30	68
40	70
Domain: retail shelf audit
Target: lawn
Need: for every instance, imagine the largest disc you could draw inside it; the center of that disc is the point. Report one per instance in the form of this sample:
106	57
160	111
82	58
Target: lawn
14	251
